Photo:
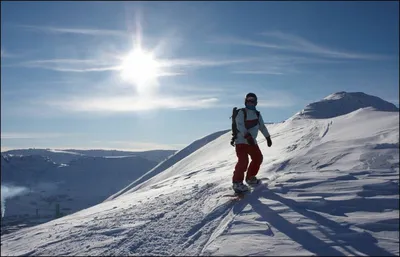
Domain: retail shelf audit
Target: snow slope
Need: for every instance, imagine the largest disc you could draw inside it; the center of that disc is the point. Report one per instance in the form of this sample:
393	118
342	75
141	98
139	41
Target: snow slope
333	190
169	162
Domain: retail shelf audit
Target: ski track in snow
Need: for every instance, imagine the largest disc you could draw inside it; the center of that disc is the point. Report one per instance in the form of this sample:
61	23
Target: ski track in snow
156	229
329	231
170	224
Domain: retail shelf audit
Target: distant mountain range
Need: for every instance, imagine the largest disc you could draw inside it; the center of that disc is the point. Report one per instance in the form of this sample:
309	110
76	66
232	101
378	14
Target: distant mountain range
74	179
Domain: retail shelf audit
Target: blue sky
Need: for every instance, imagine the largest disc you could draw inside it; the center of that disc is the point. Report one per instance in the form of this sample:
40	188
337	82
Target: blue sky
71	78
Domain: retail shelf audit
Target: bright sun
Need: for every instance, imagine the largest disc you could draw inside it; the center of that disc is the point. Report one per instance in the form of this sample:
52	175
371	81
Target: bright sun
140	67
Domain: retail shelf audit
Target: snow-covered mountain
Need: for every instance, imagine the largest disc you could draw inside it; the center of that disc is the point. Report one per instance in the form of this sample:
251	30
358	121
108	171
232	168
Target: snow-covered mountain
67	155
332	189
342	103
72	179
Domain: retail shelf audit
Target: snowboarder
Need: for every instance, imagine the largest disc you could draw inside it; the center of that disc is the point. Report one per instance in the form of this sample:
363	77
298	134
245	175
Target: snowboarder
245	125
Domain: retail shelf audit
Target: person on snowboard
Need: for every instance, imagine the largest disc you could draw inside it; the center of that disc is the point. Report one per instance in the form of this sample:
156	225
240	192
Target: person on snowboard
248	122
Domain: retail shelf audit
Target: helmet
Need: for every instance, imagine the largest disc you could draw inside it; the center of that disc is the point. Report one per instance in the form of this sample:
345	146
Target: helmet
252	97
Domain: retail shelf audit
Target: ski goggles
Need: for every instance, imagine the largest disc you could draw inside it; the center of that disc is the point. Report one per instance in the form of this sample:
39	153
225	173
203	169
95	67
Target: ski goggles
251	100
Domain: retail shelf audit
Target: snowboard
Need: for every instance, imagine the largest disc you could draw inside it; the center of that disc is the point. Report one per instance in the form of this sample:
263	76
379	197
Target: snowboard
239	196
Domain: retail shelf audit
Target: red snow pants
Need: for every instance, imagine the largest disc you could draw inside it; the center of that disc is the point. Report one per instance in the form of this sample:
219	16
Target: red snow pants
243	151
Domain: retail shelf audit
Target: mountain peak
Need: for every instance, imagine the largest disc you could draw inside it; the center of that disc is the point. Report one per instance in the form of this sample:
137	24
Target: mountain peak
342	103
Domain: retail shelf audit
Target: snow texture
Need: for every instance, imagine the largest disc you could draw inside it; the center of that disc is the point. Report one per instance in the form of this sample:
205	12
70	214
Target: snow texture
332	188
168	163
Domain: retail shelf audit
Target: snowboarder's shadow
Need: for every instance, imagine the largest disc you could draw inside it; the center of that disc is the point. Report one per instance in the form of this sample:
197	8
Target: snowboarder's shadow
343	236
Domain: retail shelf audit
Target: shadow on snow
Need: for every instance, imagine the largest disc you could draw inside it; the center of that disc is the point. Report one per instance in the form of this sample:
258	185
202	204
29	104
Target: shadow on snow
342	235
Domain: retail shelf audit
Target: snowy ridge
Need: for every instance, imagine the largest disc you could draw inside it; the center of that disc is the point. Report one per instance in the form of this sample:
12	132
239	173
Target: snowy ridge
342	103
333	190
67	155
31	168
57	156
168	163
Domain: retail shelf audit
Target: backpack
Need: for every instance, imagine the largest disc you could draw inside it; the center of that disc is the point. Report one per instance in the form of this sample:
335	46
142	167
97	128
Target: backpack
235	111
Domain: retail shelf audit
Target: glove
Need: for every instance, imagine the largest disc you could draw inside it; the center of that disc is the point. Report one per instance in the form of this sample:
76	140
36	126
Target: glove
249	139
269	142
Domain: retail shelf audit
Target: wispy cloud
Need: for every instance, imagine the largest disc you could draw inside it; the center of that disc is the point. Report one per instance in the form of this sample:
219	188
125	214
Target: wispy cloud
289	54
278	68
297	44
168	67
69	65
173	67
82	70
203	62
19	135
68	61
301	44
275	65
133	146
260	72
81	31
244	41
194	88
106	104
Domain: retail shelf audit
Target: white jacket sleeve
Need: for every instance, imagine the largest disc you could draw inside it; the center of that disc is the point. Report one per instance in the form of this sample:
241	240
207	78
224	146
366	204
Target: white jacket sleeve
262	127
240	123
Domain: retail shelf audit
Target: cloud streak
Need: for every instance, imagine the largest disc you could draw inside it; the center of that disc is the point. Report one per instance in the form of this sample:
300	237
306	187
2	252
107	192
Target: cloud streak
18	135
301	44
134	146
297	44
93	65
259	72
274	65
69	65
79	31
203	62
179	66
104	104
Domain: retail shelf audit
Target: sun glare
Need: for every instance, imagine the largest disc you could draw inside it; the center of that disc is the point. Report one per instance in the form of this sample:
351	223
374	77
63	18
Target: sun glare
140	67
